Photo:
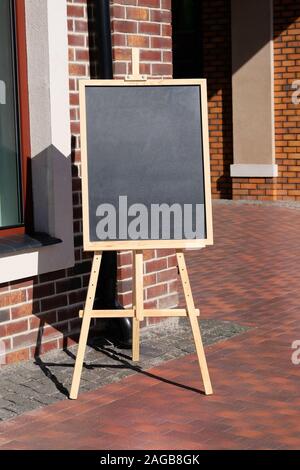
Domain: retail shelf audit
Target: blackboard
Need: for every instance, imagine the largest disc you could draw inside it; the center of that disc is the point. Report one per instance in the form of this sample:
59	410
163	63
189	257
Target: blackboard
145	164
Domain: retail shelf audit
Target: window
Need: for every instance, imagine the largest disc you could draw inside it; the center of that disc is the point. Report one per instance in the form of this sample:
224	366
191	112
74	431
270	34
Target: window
14	147
41	39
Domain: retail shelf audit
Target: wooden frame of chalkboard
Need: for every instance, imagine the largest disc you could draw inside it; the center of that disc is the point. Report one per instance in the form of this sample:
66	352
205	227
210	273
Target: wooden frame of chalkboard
102	245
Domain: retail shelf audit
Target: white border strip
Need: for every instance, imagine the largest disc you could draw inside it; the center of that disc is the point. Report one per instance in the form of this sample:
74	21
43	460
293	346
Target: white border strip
255	170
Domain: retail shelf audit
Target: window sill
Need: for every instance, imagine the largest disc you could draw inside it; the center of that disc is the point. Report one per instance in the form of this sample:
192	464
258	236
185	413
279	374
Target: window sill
14	244
23	256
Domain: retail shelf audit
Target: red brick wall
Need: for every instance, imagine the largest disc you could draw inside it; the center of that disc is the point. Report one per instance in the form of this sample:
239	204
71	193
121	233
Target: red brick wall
287	114
39	314
145	24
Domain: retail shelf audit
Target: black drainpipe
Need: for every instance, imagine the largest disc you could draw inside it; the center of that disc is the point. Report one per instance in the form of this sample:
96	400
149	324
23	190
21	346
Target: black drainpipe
103	38
106	293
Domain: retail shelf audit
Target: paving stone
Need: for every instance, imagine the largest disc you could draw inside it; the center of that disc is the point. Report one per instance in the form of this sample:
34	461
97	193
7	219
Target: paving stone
6	414
45	380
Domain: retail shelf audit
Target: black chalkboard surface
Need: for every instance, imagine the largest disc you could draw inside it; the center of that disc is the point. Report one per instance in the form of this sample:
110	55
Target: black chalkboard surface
145	164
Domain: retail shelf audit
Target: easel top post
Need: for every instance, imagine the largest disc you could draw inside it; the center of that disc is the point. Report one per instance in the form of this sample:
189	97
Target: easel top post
135	60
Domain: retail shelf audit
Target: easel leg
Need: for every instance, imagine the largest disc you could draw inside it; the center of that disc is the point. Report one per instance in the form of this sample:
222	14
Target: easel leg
80	355
135	340
194	323
138	303
85	325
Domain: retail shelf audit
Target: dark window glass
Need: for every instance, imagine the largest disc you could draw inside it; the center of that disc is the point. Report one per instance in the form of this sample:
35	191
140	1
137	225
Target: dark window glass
10	181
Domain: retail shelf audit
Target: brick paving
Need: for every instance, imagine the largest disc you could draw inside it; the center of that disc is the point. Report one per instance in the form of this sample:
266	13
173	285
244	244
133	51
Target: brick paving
250	277
34	384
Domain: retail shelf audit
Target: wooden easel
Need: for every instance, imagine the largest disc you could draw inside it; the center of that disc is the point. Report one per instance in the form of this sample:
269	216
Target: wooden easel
137	312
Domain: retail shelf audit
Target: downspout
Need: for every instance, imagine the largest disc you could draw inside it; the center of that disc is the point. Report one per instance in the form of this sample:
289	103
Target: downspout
106	293
103	38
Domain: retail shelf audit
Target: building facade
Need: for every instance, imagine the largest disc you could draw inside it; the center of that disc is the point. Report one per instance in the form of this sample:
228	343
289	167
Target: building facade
249	52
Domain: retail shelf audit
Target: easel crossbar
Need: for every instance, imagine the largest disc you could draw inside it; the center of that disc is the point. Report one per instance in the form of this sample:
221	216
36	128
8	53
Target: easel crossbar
130	313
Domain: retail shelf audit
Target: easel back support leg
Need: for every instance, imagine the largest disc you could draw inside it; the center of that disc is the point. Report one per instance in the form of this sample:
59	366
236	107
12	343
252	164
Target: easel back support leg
138	303
135	340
